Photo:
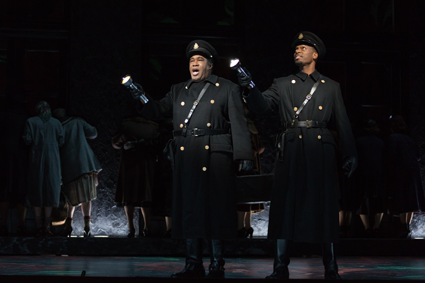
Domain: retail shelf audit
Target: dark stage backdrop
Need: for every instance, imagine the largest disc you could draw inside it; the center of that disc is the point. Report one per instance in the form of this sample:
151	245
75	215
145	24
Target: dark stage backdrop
74	53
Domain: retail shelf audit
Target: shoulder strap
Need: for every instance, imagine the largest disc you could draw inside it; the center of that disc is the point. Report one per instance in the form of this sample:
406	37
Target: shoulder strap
195	104
307	98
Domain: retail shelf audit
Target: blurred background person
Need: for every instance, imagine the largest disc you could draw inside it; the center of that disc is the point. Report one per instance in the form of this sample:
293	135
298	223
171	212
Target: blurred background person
345	191
405	183
137	138
79	168
162	194
369	178
14	160
245	211
44	135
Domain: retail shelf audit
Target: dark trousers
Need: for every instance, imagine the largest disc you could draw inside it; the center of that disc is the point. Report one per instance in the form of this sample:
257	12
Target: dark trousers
194	251
282	255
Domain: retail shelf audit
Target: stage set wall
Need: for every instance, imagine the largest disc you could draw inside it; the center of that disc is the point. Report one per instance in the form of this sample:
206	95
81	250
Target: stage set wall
74	53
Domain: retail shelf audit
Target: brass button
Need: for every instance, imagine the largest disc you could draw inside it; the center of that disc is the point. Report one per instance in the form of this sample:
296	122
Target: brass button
300	136
320	107
185	87
207	147
182	104
204	168
319	137
208	125
217	84
181	125
323	81
182	148
295	108
293	81
212	101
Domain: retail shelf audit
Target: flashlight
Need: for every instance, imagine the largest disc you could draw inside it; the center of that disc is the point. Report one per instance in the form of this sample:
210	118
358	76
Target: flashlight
235	64
135	91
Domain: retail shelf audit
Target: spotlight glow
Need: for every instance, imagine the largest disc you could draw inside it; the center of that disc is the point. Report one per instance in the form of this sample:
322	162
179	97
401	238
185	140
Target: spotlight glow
125	79
234	62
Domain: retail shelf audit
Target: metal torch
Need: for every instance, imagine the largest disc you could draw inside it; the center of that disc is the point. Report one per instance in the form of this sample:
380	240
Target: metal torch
235	64
135	91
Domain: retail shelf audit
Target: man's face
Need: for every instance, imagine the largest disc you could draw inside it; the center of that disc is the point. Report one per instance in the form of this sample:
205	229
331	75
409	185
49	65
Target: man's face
199	68
304	55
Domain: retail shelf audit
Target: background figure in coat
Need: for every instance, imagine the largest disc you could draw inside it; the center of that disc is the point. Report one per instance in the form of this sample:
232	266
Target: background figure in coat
45	135
205	149
304	205
138	139
79	168
14	162
245	210
405	182
369	177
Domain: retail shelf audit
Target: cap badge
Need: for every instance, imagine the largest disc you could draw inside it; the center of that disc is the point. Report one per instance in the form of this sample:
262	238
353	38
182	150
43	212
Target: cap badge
196	46
300	36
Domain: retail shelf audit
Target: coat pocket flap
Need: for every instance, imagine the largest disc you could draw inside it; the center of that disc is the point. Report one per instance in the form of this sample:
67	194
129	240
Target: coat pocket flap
221	147
327	138
221	143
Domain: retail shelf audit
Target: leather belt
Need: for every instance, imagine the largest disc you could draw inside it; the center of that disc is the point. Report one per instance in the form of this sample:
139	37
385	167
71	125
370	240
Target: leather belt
195	132
305	124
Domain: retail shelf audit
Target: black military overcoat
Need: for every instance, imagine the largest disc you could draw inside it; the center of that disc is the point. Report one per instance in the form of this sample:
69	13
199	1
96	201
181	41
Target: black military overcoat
304	204
204	199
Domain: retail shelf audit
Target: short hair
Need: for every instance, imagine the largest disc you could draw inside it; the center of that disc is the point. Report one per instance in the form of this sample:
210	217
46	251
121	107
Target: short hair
398	125
59	113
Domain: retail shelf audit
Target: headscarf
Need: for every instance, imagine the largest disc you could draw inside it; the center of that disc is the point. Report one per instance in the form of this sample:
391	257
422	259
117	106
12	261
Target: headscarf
43	111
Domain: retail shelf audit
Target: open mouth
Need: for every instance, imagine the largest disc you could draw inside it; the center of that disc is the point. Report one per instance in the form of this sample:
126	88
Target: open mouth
195	72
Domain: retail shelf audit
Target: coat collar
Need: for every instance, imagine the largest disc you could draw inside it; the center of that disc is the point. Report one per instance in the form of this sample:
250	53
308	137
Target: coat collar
64	119
303	76
211	79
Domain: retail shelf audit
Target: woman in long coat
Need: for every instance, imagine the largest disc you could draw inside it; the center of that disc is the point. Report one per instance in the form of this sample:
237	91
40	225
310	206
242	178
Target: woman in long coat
369	178
137	138
405	182
79	168
44	134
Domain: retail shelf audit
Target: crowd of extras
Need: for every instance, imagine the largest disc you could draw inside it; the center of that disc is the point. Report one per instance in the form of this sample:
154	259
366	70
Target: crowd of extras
47	165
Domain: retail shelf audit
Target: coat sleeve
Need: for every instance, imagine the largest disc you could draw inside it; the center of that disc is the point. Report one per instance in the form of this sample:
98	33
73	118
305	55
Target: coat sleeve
119	140
89	131
158	110
27	135
241	137
266	102
348	145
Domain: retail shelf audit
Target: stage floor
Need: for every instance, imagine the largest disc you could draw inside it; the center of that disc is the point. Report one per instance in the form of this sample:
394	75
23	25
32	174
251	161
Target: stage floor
354	268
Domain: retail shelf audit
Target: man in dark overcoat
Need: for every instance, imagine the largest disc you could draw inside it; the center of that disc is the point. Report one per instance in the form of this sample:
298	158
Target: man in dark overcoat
206	146
304	205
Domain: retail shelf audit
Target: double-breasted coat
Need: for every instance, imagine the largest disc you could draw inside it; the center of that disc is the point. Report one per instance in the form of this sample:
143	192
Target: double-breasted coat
204	191
304	204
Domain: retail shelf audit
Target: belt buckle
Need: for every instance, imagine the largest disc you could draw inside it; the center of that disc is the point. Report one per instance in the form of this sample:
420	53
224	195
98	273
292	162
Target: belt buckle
195	132
306	124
